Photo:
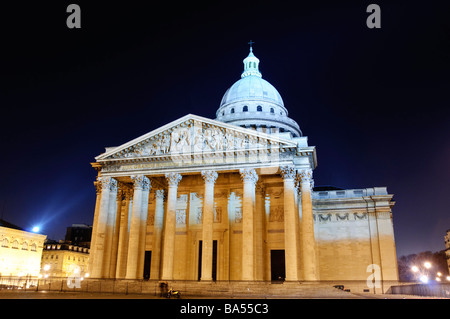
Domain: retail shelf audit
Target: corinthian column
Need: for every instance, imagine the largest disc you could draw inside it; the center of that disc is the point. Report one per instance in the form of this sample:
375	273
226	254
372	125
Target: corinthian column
143	228
307	225
210	178
158	227
290	223
108	185
98	189
122	246
169	226
249	177
141	185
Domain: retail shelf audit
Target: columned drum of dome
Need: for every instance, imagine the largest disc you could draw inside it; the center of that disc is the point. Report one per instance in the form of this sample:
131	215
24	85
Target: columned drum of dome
252	102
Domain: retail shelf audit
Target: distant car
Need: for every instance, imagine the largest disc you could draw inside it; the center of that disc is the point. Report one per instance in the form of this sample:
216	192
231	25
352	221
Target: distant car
339	287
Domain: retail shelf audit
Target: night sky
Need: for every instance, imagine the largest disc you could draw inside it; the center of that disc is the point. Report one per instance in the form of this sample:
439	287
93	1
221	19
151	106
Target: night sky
374	102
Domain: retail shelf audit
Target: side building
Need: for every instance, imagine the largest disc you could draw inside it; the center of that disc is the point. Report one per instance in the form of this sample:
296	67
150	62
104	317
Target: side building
447	248
20	255
63	260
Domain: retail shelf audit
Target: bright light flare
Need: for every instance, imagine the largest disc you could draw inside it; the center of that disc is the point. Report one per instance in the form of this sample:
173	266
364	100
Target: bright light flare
424	279
427	265
35	229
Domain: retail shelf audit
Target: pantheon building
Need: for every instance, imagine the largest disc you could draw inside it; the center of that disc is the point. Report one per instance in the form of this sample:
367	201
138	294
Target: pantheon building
233	198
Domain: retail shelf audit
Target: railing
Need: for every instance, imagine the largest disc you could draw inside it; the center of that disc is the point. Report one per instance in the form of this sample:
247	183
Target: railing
349	193
73	284
430	290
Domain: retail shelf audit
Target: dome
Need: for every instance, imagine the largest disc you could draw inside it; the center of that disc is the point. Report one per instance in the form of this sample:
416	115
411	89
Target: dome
252	88
253	102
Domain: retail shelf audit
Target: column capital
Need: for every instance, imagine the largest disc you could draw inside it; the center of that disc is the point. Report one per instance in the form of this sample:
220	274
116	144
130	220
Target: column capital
159	193
98	187
141	182
128	193
173	179
248	175
107	183
209	176
305	176
288	172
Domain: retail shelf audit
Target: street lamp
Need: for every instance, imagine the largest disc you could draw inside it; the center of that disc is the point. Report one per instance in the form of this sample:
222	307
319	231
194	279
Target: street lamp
427	264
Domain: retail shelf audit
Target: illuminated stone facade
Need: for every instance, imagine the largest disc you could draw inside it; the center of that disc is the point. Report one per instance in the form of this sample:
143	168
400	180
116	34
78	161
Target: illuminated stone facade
20	253
63	260
233	199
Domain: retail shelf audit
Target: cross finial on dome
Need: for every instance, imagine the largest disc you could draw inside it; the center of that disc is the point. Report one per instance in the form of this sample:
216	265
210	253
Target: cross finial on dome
251	42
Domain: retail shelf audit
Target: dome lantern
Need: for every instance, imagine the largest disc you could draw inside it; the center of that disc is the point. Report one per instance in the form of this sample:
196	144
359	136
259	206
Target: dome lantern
251	64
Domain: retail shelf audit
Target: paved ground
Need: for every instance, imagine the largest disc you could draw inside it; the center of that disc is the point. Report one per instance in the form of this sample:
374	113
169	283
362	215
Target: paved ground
14	294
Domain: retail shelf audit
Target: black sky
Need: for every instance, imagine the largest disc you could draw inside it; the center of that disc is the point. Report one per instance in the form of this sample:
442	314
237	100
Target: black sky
375	102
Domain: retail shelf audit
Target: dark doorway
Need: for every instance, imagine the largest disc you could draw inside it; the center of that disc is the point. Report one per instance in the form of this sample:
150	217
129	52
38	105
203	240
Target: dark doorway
214	260
147	264
277	265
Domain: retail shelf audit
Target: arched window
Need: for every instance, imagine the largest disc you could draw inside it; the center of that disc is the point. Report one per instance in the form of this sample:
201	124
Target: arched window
15	244
33	247
245	109
25	246
259	108
232	110
272	110
5	243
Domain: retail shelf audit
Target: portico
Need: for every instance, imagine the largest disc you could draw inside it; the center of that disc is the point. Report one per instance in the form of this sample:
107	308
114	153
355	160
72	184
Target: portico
169	214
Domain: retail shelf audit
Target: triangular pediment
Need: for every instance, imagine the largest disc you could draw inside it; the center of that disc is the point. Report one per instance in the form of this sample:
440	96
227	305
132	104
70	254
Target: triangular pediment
194	135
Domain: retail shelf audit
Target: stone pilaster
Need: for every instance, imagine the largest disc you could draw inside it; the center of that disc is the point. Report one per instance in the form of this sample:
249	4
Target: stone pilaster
169	226
260	231
141	184
249	177
210	178
307	224
290	223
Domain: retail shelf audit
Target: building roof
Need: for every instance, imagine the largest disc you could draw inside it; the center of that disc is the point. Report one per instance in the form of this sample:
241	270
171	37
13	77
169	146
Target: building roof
4	223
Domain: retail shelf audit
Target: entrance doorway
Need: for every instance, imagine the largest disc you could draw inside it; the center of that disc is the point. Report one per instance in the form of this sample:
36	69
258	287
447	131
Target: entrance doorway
277	265
147	264
214	260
